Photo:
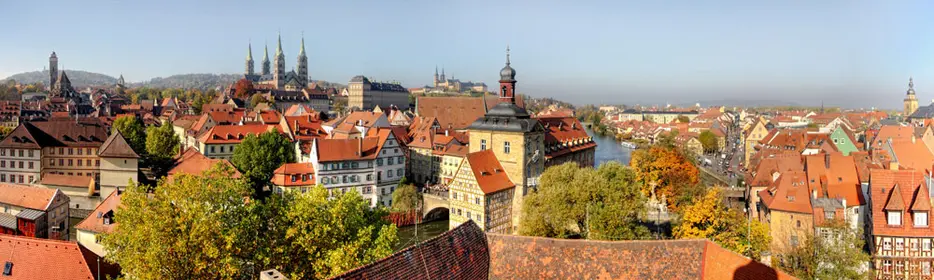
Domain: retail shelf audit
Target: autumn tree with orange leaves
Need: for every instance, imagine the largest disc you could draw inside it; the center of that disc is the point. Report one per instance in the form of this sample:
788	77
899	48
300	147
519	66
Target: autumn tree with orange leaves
666	172
243	89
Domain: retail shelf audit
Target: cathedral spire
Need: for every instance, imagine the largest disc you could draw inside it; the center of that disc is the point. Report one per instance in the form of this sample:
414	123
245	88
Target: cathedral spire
279	46
911	86
249	51
301	52
266	53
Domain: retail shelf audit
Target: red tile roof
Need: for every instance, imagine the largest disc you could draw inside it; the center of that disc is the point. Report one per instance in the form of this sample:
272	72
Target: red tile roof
524	257
227	117
912	154
195	163
893	132
234	134
303	172
460	253
351	149
28	197
835	179
490	175
789	193
896	190
21	138
565	135
457	112
44	259
50	179
95	223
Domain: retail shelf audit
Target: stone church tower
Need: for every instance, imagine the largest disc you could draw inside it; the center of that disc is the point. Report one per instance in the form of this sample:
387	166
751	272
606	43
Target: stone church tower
911	101
53	70
249	60
303	65
279	64
435	84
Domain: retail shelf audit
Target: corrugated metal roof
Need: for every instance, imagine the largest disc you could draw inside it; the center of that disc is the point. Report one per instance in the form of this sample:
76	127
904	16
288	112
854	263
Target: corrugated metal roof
7	221
30	214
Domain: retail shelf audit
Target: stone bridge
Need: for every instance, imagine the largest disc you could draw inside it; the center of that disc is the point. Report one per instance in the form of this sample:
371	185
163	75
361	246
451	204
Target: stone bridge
435	205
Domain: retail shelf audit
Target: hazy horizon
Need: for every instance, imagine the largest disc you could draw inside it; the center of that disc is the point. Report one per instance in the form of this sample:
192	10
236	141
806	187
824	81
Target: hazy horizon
841	53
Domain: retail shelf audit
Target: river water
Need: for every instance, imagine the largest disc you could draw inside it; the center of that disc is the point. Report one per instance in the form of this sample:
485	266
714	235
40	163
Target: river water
608	149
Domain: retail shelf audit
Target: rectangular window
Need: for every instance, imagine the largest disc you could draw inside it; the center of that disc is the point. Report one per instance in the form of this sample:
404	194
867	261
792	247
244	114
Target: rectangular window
51	162
80	151
899	244
3	152
379	162
921	219
212	149
70	162
21	179
887	266
913	244
61	151
926	245
61	162
389	161
477	200
80	162
506	147
925	268
31	165
97	162
2	177
222	149
20	153
895	218
71	151
482	144
88	162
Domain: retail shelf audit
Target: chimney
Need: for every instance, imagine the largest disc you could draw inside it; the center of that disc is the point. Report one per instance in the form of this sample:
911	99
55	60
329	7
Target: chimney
814	194
827	160
360	146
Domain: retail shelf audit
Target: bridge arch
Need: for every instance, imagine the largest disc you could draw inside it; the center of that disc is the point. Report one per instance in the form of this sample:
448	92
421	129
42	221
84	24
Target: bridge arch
435	206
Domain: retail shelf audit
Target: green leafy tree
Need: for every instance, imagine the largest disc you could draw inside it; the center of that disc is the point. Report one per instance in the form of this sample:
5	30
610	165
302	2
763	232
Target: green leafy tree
186	228
405	198
683	119
133	131
602	204
258	99
708	218
258	156
314	237
709	141
837	255
161	145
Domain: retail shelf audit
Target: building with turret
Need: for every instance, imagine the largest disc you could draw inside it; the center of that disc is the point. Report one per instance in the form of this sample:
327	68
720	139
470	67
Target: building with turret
276	77
511	145
911	101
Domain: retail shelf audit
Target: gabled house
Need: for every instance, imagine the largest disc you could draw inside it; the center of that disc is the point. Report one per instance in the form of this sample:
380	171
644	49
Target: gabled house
787	208
901	224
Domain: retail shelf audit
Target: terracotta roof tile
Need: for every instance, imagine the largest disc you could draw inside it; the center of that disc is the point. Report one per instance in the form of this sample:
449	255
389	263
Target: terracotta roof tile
841	179
895	187
490	175
895	201
195	163
44	259
912	154
460	253
95	223
457	112
25	196
302	172
50	179
789	193
233	134
350	149
921	200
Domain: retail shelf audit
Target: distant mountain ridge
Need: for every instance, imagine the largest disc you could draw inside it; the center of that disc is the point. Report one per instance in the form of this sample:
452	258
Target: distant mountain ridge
78	78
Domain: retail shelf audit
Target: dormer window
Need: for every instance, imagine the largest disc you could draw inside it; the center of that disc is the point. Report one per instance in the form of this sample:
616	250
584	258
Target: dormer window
921	218
894	218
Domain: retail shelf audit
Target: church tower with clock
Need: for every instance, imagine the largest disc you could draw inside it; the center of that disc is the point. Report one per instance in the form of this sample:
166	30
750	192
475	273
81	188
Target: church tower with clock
515	138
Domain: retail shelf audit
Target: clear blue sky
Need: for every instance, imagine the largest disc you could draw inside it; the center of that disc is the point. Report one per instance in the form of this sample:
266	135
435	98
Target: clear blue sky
847	52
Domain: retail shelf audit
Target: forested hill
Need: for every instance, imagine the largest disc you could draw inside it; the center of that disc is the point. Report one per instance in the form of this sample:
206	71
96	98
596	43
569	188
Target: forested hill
78	78
199	81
